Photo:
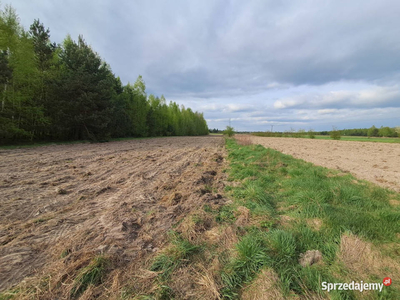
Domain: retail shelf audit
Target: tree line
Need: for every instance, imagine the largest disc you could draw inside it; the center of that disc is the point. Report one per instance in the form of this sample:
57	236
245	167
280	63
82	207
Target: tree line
336	133
67	92
383	131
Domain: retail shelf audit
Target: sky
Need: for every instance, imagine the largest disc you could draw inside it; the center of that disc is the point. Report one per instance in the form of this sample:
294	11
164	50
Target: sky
257	65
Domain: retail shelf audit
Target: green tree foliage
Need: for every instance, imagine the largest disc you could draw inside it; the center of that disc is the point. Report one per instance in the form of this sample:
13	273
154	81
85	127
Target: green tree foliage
335	134
83	89
21	116
311	134
387	132
229	131
68	92
373	131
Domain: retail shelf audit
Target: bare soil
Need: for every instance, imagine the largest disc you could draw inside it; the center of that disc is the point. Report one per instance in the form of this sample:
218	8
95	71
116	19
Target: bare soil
375	162
62	204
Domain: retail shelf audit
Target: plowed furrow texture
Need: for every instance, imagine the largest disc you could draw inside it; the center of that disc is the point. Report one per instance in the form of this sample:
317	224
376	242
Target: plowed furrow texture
60	202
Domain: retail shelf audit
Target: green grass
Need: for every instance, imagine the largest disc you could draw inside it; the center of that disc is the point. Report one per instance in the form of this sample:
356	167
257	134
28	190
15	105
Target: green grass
327	137
91	275
180	252
273	185
251	257
361	139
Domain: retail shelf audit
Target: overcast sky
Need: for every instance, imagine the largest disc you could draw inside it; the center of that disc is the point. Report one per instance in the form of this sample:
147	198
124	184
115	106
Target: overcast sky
290	64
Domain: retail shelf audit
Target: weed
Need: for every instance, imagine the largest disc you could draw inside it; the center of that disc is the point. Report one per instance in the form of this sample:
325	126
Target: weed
207	208
251	256
42	220
179	252
164	292
225	214
91	275
65	253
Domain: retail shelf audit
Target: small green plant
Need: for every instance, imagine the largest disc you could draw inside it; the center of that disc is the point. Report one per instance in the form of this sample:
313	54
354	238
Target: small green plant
229	131
267	224
65	253
180	251
311	134
207	208
91	275
164	292
251	256
335	134
225	214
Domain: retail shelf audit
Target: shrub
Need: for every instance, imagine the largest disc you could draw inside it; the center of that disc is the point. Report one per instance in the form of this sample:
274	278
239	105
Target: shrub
300	133
335	134
229	131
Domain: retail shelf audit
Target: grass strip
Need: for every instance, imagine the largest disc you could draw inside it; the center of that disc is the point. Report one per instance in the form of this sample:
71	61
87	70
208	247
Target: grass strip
296	206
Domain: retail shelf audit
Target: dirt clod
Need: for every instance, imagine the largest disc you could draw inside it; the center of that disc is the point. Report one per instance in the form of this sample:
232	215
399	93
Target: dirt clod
310	257
61	191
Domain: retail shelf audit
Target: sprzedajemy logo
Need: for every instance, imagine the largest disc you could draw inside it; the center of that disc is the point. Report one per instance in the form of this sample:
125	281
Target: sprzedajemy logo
356	286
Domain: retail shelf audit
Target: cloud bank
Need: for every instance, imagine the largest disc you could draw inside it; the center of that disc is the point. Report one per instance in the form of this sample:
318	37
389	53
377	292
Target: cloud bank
300	64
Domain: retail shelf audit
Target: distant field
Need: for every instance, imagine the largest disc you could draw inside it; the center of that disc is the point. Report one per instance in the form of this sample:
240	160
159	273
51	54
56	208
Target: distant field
375	162
327	137
361	139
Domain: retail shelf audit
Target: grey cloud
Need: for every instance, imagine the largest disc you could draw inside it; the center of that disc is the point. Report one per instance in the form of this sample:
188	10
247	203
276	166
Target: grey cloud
245	59
374	97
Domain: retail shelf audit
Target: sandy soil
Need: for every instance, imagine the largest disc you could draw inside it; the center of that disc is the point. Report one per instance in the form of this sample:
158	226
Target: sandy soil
375	162
61	202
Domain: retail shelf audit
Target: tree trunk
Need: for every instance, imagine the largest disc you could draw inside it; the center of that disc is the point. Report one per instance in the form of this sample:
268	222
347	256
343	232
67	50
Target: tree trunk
4	97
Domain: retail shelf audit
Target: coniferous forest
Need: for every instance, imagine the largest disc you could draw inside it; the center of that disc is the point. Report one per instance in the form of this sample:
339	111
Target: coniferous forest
66	91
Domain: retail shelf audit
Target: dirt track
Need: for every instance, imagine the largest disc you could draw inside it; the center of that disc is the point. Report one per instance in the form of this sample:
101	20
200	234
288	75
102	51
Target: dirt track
59	203
375	162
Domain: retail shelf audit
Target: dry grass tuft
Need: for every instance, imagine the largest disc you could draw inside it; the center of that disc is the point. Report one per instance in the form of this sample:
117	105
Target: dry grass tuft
195	282
315	223
228	238
208	283
360	257
173	198
394	202
286	220
264	286
243	217
243	140
213	235
194	225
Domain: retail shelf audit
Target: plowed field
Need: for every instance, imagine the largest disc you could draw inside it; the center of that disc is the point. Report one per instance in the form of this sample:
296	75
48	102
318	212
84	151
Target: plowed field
62	204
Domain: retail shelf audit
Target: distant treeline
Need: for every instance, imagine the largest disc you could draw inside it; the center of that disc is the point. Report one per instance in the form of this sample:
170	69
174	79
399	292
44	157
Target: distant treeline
215	130
370	132
67	92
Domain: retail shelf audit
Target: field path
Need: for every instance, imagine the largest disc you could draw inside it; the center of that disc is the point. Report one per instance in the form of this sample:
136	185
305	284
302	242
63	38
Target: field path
375	162
63	203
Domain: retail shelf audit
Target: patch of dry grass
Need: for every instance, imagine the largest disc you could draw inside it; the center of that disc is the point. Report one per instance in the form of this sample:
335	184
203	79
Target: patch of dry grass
362	259
315	223
243	216
264	287
243	140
